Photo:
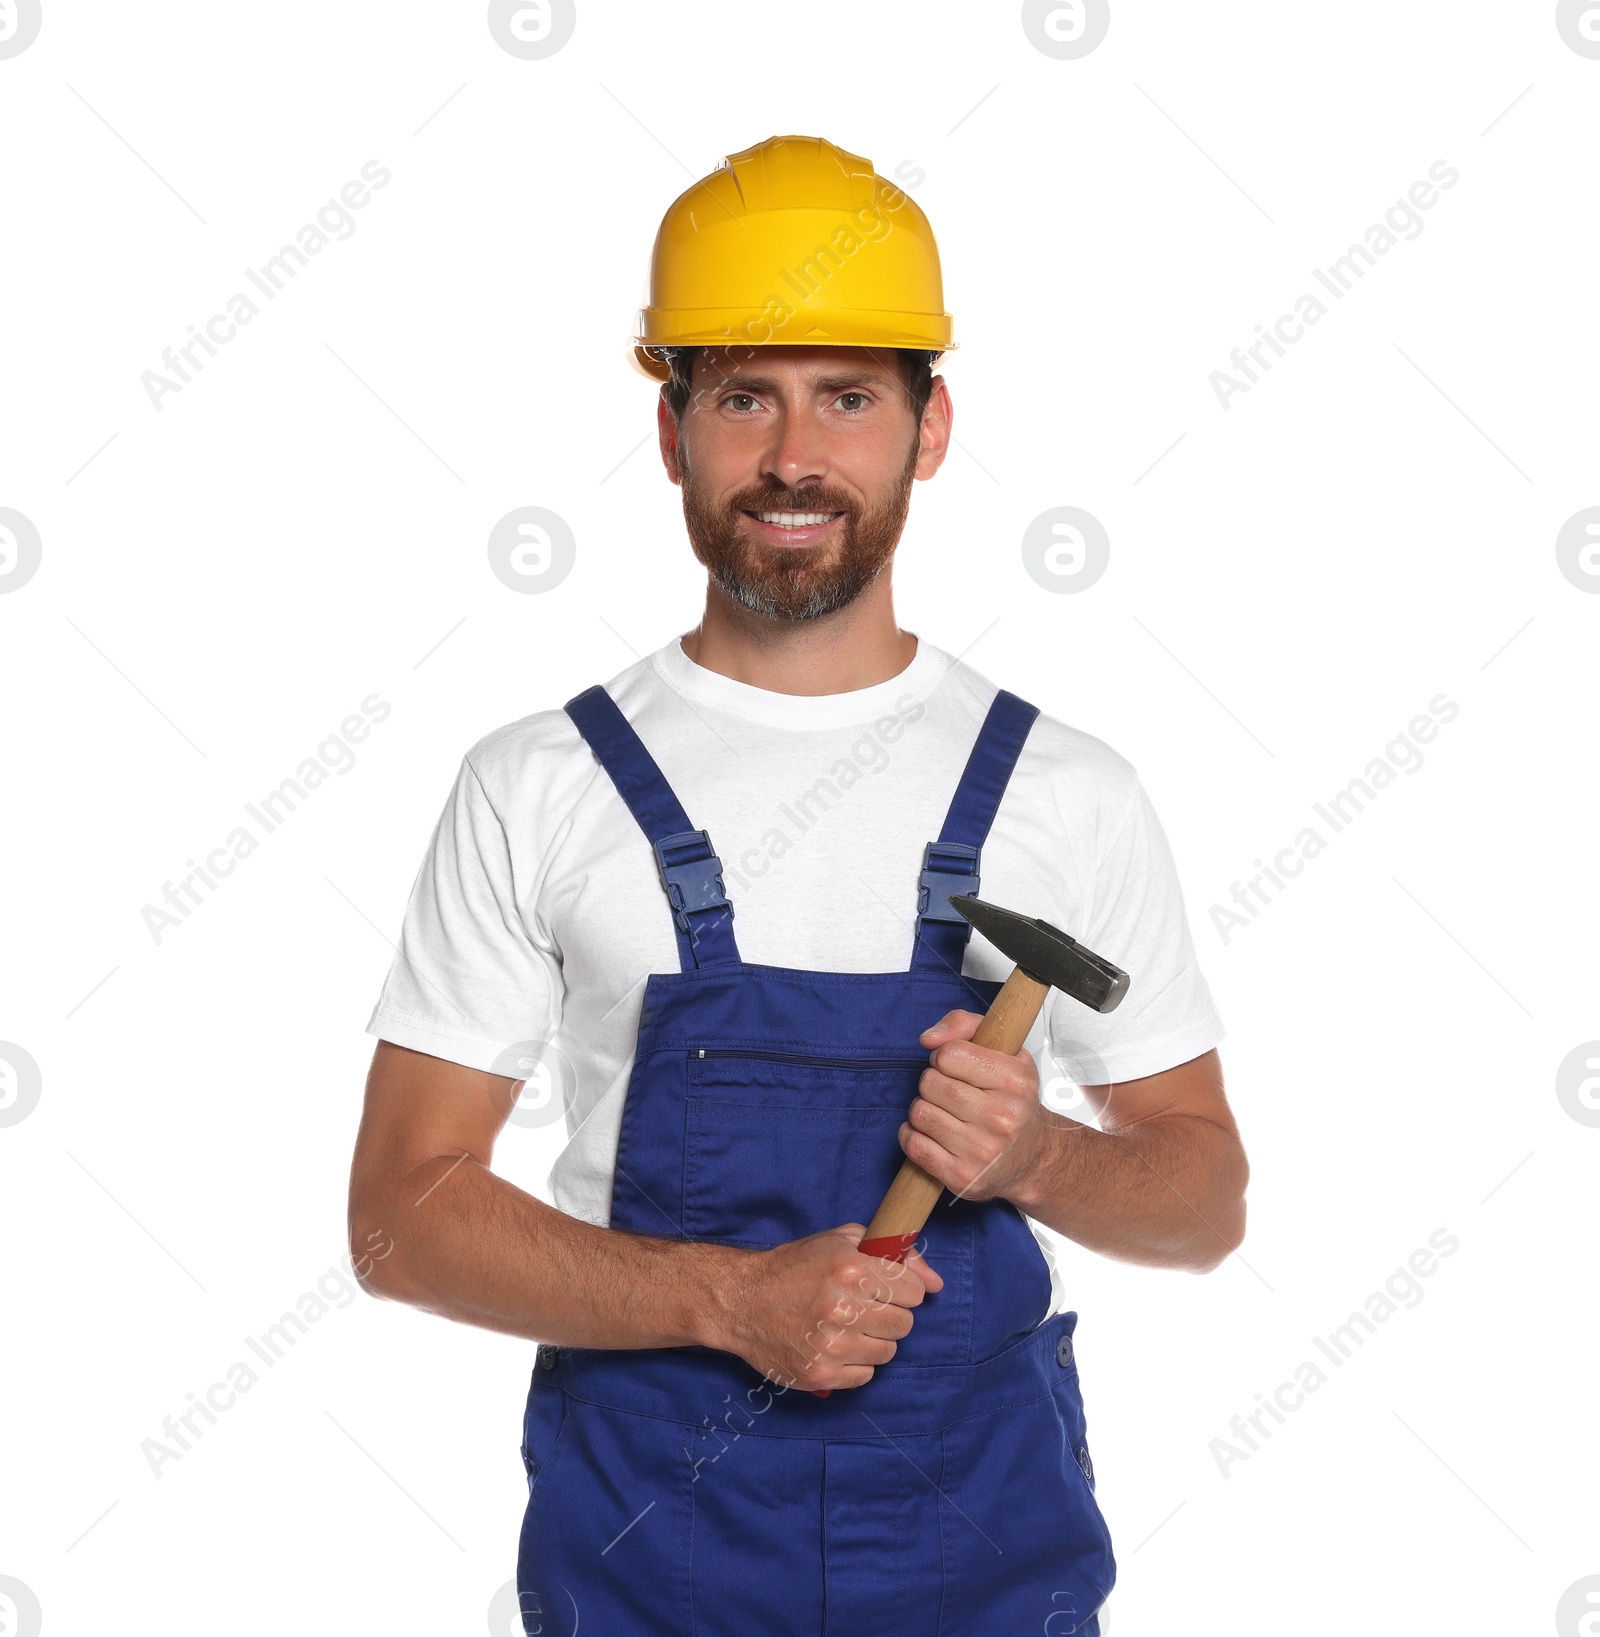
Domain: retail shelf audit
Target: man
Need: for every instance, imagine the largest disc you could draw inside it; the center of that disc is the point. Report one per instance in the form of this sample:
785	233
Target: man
739	1422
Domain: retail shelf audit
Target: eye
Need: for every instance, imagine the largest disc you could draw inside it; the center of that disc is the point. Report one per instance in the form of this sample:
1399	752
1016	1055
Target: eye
734	399
860	397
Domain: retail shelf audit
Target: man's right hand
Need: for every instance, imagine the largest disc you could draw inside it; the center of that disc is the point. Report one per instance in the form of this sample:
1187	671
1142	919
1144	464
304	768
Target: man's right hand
816	1313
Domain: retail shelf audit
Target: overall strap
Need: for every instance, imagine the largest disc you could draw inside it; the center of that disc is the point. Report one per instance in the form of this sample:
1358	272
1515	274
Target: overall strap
950	864
690	871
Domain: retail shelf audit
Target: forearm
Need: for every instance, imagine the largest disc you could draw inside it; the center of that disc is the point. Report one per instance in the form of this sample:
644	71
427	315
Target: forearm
1166	1192
470	1246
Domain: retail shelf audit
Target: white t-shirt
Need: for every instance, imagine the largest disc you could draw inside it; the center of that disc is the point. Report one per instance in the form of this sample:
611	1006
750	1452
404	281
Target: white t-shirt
538	913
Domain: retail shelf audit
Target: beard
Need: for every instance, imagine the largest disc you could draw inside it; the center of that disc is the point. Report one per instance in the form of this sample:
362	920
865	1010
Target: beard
795	583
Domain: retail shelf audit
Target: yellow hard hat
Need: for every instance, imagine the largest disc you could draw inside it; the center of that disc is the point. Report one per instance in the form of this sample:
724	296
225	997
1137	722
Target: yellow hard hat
793	242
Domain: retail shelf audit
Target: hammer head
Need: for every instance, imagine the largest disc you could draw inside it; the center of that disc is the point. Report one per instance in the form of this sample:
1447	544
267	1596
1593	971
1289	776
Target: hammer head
1047	954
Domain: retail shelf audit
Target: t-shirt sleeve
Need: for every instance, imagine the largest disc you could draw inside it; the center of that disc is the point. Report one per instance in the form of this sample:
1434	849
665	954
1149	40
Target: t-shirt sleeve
1136	918
475	980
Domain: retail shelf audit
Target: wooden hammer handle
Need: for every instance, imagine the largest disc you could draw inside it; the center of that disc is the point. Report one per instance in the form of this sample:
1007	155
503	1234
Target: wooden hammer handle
913	1194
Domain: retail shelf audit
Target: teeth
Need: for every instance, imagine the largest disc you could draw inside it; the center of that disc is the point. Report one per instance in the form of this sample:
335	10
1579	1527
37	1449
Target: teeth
796	520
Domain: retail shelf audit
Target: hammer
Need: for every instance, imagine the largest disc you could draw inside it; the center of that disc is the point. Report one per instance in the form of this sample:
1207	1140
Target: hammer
1046	959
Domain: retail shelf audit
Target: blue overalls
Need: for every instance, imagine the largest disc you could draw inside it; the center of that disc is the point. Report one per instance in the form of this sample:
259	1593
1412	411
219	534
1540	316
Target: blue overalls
676	1490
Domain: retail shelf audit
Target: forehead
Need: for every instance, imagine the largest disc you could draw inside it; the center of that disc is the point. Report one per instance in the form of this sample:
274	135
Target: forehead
785	366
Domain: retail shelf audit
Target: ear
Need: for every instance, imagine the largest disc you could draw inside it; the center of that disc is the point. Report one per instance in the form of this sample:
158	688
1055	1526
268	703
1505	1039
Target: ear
667	434
934	434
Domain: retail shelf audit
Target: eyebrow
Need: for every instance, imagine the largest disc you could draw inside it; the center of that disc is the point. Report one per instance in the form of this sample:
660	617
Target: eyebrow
867	376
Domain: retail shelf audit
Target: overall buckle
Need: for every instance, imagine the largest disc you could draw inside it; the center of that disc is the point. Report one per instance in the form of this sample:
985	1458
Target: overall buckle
691	873
947	867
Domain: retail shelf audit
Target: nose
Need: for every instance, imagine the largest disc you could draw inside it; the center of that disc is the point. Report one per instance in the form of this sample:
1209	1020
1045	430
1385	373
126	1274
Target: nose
796	458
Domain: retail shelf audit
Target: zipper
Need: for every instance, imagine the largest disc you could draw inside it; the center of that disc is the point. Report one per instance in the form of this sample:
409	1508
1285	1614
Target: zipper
815	1062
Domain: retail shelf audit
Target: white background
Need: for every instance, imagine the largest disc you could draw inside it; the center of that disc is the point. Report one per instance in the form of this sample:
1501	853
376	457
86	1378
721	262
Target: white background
304	524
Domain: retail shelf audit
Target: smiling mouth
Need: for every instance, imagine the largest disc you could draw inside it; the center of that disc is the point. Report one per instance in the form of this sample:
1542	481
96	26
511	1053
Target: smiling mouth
794	520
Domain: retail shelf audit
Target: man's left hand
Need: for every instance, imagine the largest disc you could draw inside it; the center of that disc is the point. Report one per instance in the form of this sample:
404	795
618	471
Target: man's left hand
977	1124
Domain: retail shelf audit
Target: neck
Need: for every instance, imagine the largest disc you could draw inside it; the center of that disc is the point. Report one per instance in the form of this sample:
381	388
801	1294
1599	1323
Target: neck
856	647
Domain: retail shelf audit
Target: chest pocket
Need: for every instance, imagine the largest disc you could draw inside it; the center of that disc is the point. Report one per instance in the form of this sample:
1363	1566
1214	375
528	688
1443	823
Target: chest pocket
779	1145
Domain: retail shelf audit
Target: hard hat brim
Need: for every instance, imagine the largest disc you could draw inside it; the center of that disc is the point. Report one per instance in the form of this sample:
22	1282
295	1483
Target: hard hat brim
751	327
645	357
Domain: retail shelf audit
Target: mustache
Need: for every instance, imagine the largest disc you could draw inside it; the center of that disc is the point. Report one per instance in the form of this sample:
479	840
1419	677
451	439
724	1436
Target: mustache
799	500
